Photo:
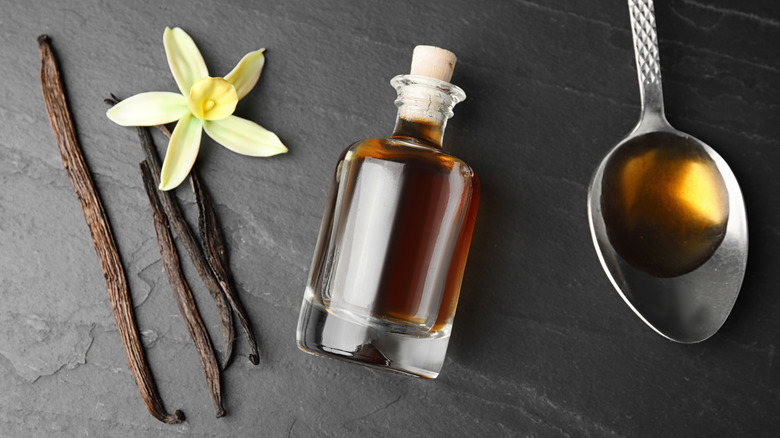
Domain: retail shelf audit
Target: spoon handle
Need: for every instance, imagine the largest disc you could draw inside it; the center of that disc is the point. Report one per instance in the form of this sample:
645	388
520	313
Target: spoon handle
648	65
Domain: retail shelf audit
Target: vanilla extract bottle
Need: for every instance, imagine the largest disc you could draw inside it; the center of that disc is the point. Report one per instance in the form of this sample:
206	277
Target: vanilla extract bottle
388	264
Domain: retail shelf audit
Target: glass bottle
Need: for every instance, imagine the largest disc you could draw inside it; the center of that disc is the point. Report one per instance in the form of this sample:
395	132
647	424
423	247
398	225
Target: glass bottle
388	264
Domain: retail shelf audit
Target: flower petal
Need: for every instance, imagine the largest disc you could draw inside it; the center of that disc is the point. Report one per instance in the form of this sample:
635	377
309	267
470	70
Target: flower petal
149	109
244	137
182	151
184	58
245	75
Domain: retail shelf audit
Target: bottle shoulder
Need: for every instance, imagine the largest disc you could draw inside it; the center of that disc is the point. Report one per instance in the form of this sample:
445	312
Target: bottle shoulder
397	150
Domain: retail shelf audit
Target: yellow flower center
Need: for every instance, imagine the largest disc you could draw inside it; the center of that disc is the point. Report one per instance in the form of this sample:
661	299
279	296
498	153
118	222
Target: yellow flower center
212	99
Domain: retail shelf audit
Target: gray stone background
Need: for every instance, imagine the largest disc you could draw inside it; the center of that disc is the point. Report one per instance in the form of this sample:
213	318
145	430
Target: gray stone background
542	345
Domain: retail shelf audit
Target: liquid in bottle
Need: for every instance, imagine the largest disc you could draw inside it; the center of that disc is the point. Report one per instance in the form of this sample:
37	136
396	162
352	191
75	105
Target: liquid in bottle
388	264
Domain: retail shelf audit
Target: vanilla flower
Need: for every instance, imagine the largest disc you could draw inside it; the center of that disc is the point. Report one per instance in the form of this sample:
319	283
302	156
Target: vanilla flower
205	103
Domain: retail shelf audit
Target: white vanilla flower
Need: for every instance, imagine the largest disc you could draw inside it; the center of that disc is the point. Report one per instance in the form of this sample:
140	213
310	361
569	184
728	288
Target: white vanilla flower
205	103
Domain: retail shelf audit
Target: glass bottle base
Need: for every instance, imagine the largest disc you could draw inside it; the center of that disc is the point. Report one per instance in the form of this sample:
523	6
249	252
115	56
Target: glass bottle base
369	341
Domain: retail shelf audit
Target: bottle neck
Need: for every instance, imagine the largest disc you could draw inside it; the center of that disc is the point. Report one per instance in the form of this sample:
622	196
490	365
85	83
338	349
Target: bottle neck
424	105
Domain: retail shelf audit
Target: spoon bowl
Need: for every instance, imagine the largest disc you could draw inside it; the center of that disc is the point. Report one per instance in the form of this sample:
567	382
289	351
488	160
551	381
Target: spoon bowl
666	214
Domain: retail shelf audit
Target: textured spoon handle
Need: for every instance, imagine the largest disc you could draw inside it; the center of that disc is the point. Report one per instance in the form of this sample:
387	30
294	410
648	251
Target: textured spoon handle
648	64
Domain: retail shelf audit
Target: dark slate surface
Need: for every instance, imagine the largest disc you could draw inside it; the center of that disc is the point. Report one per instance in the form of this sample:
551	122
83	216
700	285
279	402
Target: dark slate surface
542	345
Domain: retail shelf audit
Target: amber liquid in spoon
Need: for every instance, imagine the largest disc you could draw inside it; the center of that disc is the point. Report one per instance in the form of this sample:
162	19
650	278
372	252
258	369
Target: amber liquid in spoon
665	204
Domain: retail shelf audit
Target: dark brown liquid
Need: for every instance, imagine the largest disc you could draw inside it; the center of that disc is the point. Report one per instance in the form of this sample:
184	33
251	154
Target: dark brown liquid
665	204
399	224
418	131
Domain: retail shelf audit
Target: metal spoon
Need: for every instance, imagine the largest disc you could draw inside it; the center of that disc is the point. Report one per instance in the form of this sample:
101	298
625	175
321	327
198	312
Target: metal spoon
666	213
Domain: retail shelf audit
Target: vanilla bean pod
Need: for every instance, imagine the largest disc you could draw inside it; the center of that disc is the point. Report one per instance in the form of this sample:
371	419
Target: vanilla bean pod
187	238
182	293
102	237
214	247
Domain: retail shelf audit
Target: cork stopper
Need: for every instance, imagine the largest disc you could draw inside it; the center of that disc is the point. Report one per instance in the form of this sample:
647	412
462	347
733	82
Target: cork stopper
433	62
